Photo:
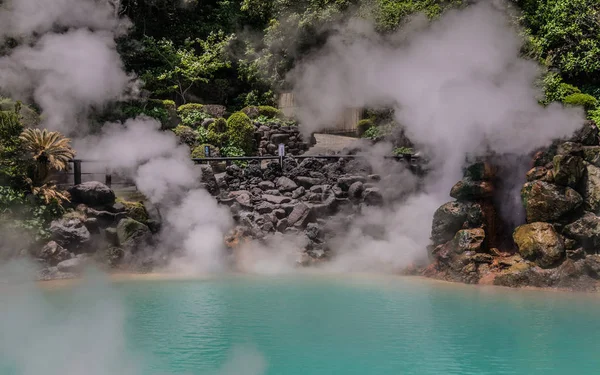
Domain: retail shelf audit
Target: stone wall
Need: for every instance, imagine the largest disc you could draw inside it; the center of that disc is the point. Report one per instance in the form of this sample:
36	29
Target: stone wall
268	138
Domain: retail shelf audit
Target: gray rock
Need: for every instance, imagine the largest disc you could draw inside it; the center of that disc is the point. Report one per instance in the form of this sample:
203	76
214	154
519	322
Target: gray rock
70	232
282	225
298	192
539	242
345	182
264	208
286	184
547	202
372	196
307	182
273	192
53	253
208	180
317	189
447	220
275	199
266	185
133	235
591	189
242	197
92	193
355	190
586	231
73	265
300	215
280	138
279	213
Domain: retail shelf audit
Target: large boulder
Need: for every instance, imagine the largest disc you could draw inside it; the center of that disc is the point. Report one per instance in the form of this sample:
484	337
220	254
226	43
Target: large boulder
285	184
467	189
587	135
73	265
480	171
300	215
70	233
591	154
53	253
540	243
586	231
92	193
447	220
591	189
132	234
568	170
469	240
547	202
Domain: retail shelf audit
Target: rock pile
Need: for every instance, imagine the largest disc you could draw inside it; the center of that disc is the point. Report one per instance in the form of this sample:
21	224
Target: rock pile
558	245
269	136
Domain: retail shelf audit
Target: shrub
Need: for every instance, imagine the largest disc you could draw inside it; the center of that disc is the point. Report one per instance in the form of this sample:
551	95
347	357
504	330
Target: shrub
584	100
363	126
231	151
169	104
251	111
186	135
377	133
594	115
402	151
190	107
241	132
217	133
198	152
193	119
268	111
202	134
135	210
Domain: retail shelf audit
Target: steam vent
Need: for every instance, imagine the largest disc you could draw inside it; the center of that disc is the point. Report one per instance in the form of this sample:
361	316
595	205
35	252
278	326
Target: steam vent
558	244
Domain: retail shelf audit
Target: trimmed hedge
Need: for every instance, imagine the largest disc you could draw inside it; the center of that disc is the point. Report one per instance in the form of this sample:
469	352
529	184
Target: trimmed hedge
241	132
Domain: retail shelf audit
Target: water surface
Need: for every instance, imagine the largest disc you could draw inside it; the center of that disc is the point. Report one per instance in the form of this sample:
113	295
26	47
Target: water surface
328	326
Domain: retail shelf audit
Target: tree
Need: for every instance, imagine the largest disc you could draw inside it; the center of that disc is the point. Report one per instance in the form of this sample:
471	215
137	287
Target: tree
185	67
12	166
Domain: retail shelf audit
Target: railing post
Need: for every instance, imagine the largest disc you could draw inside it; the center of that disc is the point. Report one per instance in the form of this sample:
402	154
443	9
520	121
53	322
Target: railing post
108	179
77	172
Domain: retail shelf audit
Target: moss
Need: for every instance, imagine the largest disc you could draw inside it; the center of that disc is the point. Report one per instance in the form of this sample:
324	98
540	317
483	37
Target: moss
268	111
169	104
241	132
198	152
584	100
363	126
135	210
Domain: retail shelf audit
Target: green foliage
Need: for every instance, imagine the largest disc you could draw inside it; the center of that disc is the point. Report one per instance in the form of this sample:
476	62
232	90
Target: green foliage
594	115
155	109
135	210
178	69
217	133
198	152
363	126
399	151
13	167
182	110
565	34
241	132
232	151
192	114
584	100
269	111
377	133
555	89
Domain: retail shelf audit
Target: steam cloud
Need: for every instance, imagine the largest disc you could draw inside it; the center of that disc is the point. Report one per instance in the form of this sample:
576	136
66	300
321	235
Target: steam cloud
458	86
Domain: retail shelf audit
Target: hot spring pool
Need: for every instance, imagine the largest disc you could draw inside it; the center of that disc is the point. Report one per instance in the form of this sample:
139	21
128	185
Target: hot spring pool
297	326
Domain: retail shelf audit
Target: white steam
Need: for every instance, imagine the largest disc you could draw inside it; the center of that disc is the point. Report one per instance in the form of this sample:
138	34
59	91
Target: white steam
458	87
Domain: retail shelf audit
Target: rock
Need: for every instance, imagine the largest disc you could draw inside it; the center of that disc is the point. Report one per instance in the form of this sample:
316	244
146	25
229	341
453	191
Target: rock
372	196
111	236
591	189
355	190
447	220
92	193
282	225
266	185
576	254
318	189
467	189
480	171
279	213
132	234
280	138
345	182
569	148
592	264
242	197
298	192
53	253
547	202
70	233
313	231
540	243
234	170
469	240
271	148
73	265
519	275
276	199
586	231
540	173
301	214
264	208
272	171
307	182
208	180
568	170
286	184
587	135
591	154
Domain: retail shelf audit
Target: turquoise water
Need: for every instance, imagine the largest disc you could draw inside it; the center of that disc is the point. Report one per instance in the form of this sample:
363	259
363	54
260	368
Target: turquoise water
325	326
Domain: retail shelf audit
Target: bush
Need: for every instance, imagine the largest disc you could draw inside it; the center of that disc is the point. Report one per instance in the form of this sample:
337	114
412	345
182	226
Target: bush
186	135
594	115
190	107
241	132
135	210
231	151
402	151
268	111
217	133
198	152
251	111
363	126
584	100
377	133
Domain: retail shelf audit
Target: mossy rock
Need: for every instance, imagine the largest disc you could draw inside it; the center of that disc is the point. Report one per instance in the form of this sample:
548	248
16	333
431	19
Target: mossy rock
548	202
447	220
186	135
568	170
469	240
540	243
130	229
135	210
591	189
467	189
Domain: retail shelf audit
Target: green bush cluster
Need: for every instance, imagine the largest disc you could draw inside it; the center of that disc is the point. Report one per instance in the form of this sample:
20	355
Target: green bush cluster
241	132
231	151
403	151
189	107
580	99
268	111
363	126
217	133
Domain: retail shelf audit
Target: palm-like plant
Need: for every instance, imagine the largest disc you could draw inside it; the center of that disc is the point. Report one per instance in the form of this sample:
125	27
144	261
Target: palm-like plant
49	151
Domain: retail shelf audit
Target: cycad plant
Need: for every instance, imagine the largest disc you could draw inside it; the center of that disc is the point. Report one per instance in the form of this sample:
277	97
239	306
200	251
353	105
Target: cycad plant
50	151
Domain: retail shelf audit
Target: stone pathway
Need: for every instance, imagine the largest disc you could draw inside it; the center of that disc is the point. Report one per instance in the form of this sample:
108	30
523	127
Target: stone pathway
327	143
